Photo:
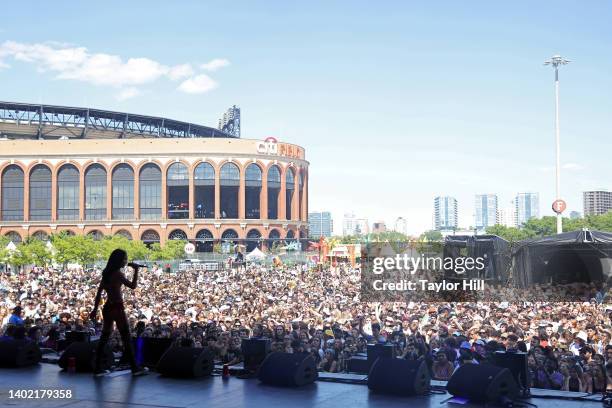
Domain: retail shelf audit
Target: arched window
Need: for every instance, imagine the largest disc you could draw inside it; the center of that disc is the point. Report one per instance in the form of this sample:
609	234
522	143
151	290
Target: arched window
274	184
68	193
230	185
301	193
123	192
124	233
290	235
12	193
252	191
41	235
253	239
95	192
150	237
177	182
96	235
229	234
149	185
14	237
204	190
177	234
273	238
289	190
40	193
204	241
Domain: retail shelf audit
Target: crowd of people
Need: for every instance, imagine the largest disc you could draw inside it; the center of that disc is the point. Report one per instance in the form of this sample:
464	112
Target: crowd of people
317	311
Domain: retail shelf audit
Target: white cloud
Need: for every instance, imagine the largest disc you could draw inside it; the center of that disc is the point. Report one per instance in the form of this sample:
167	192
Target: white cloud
215	64
180	71
127	93
78	64
198	84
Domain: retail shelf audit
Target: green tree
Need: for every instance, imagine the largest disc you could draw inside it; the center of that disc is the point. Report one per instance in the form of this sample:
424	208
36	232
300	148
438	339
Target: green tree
36	251
4	253
510	234
432	235
174	249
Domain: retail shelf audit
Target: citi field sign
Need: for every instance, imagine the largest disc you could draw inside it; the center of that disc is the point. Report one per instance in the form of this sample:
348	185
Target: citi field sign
272	147
268	146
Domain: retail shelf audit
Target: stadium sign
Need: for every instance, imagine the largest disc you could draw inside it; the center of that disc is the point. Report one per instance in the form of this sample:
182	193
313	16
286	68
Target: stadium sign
189	248
268	146
271	146
559	206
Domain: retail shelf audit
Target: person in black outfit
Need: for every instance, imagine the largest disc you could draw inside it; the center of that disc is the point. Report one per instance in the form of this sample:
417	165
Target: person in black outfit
113	311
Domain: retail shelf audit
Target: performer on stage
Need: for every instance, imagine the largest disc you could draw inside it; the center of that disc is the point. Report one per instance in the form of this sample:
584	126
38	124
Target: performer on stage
113	310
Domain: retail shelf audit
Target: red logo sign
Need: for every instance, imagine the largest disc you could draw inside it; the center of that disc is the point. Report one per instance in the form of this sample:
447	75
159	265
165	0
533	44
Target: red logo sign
559	206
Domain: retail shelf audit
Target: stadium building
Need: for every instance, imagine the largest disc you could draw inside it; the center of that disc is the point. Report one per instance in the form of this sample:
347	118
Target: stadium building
89	171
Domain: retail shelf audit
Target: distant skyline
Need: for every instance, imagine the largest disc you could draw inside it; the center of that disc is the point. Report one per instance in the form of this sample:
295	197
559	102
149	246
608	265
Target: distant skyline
395	103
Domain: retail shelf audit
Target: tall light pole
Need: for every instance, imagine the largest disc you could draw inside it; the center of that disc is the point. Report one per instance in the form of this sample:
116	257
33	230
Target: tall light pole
555	62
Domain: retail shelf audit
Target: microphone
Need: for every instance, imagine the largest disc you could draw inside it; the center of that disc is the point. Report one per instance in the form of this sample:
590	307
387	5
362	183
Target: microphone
135	265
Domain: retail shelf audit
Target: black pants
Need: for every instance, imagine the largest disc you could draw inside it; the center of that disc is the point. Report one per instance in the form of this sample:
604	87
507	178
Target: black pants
114	312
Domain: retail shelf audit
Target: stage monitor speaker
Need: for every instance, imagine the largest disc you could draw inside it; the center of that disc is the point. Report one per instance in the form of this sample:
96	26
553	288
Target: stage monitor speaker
483	383
186	362
516	362
358	364
375	351
254	352
19	353
288	370
399	377
149	350
84	353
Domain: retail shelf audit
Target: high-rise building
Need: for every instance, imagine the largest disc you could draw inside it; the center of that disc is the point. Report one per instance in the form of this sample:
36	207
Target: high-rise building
349	224
378	227
507	216
401	225
574	215
486	211
362	226
230	122
527	206
446	214
597	202
320	224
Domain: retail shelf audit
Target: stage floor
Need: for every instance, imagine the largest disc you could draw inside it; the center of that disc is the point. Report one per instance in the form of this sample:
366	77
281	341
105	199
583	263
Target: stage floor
121	390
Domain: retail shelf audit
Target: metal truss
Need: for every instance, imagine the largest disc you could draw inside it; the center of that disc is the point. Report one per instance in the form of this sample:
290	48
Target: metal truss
79	121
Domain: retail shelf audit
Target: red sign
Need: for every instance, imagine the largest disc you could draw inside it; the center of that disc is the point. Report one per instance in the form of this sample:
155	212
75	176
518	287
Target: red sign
559	206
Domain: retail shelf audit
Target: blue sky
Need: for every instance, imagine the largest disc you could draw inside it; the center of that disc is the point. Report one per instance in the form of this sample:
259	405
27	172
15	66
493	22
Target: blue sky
395	102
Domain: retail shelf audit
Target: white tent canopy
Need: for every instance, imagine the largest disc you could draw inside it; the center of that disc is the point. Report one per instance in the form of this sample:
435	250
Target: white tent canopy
255	255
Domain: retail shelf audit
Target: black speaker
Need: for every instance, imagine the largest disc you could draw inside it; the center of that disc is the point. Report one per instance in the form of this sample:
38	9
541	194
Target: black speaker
358	364
186	362
399	377
84	353
375	351
516	362
19	353
254	352
288	370
483	383
149	350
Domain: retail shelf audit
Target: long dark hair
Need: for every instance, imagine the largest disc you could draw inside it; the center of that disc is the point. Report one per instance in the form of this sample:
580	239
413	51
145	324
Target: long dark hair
115	262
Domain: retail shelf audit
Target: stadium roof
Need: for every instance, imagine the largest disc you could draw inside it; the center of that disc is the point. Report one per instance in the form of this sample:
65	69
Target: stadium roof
24	120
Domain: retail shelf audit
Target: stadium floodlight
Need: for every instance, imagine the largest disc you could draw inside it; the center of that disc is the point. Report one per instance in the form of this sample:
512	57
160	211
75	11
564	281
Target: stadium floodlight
556	61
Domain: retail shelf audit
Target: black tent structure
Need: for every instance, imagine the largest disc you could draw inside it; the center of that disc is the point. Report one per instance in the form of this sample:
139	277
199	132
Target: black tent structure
571	257
493	249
